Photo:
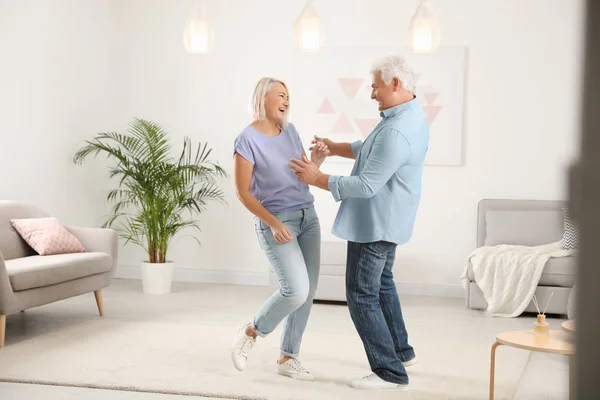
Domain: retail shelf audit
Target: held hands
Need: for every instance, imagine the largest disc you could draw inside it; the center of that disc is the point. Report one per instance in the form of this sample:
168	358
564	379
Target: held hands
319	150
317	139
281	233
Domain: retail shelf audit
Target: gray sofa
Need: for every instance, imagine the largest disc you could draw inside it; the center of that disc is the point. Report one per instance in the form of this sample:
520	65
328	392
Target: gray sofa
529	223
29	280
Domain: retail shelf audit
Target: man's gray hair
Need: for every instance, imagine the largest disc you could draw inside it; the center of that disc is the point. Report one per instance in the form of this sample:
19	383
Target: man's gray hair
262	88
395	67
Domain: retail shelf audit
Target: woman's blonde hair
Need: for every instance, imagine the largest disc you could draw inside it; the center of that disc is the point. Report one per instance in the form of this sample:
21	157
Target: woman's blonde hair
262	88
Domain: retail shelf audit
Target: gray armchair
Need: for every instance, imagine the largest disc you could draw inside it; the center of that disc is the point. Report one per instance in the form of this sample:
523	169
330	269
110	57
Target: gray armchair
29	280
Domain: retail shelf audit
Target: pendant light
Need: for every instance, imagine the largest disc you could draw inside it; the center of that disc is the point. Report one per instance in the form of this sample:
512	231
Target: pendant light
198	35
424	29
309	30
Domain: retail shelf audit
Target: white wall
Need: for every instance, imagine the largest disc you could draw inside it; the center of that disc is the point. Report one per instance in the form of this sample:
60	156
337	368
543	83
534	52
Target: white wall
521	111
58	75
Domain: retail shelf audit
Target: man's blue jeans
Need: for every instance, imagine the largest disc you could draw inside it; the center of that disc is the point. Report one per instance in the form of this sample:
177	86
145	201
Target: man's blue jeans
375	308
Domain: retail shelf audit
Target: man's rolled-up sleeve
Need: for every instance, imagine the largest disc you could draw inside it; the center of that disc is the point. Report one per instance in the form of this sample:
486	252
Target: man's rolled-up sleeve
389	152
355	146
333	187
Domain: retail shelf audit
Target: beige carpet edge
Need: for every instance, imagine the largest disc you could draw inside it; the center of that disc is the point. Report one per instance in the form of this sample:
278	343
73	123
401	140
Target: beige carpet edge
130	389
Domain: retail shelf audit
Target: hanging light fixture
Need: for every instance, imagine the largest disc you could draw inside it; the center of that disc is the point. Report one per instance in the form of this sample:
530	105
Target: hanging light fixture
309	30
424	30
198	35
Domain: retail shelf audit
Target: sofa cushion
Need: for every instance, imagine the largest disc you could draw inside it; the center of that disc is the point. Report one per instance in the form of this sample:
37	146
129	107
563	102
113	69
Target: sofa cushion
333	258
333	253
523	227
47	236
38	271
333	269
557	272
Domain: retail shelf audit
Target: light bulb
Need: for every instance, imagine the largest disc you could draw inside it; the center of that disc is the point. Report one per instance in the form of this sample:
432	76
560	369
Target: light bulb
198	35
424	30
309	30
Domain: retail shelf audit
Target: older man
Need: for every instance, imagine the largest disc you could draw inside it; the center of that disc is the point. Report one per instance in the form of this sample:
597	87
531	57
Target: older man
379	203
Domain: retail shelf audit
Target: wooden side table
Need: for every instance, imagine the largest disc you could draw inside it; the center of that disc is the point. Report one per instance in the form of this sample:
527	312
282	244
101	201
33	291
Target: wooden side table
527	340
568	326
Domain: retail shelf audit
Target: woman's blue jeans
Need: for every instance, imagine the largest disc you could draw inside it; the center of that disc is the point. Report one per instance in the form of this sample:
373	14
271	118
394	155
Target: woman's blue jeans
296	265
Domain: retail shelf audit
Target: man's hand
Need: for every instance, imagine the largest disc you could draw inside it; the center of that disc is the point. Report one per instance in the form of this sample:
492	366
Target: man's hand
318	140
319	151
335	149
309	173
306	170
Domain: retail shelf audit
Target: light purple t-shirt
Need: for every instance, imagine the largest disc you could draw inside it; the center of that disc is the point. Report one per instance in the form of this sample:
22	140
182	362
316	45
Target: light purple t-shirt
274	184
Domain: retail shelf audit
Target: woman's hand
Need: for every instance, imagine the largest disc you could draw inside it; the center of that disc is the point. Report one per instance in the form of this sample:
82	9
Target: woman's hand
319	151
243	179
280	232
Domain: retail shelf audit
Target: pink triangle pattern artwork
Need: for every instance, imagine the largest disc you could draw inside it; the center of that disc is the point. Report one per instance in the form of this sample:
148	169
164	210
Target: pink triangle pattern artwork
417	76
430	97
432	112
326	107
350	86
343	125
366	125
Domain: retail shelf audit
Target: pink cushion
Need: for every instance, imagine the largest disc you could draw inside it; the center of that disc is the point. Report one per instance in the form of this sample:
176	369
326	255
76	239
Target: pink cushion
47	236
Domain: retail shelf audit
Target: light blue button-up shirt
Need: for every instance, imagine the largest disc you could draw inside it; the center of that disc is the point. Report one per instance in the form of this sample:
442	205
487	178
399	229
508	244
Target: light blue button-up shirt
381	196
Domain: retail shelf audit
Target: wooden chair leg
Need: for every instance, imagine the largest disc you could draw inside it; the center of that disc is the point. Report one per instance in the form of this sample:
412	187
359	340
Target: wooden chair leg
98	294
2	329
493	369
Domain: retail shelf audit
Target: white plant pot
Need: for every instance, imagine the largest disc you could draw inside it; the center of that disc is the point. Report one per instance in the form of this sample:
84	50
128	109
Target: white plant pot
157	278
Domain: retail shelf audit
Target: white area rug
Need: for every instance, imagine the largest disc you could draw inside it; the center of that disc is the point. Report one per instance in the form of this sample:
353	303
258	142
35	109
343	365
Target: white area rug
180	343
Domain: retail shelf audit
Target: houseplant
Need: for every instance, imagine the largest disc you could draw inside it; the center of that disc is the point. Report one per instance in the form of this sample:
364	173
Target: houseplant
158	195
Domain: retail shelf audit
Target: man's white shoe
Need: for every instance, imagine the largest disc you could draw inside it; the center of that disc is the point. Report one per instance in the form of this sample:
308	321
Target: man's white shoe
294	369
410	362
242	345
374	382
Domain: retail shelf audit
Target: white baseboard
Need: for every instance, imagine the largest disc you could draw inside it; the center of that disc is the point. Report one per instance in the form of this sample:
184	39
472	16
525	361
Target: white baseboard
182	274
258	278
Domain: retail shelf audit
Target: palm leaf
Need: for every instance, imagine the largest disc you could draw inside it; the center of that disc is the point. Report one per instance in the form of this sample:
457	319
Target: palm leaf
157	196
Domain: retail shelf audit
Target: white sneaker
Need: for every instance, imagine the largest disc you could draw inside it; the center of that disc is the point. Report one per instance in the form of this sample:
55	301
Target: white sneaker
374	382
410	362
242	344
294	369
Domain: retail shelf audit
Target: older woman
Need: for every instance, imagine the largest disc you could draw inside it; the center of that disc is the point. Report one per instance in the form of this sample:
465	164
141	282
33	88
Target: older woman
286	224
